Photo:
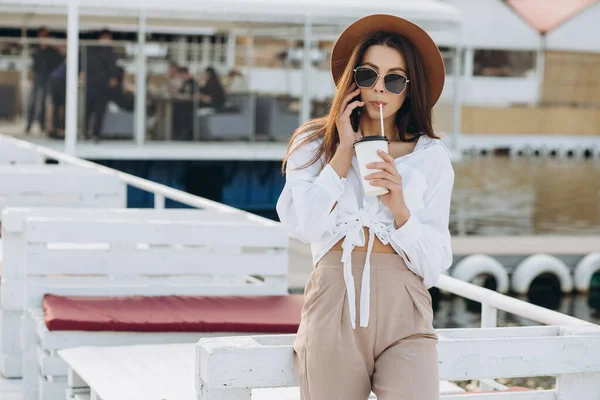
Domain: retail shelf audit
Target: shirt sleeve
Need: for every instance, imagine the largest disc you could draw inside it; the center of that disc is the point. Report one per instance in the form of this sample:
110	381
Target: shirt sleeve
306	204
424	241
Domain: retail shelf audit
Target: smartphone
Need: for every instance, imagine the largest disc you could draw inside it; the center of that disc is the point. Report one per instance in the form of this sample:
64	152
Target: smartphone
355	116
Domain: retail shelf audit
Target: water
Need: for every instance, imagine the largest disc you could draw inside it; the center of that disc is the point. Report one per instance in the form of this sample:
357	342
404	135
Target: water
503	196
540	196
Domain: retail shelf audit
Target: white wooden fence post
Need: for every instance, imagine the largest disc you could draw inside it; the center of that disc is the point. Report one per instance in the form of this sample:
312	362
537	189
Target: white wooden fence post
489	319
489	316
578	386
159	201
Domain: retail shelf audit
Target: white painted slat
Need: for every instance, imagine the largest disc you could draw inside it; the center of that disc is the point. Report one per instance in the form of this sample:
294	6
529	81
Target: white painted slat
211	233
74	381
49	179
496	333
11	155
11	339
133	373
11	365
55	180
13	254
518	357
154	261
43	169
50	389
12	291
10	386
50	365
13	218
266	362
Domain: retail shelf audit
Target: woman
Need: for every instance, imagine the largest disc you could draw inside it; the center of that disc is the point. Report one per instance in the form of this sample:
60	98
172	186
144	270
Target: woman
367	317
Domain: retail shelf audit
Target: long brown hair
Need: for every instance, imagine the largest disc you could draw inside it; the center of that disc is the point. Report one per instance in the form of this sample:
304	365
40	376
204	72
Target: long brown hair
413	118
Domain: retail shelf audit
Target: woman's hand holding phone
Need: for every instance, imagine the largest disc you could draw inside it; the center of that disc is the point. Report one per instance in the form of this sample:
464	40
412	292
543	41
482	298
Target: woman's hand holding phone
346	133
342	159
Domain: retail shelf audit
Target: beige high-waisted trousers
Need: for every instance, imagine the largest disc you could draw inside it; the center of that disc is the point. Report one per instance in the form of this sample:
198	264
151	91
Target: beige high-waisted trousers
395	356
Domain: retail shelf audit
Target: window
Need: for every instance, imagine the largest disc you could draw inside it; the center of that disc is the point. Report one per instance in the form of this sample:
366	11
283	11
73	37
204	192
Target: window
503	63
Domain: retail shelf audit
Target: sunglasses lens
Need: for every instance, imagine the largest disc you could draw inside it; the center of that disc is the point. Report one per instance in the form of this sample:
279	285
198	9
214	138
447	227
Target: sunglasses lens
395	83
365	77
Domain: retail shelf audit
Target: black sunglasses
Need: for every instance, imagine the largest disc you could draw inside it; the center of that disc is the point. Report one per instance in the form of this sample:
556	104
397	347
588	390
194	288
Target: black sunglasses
366	77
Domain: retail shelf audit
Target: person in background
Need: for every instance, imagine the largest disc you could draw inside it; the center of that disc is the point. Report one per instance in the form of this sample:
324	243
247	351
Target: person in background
183	105
174	80
45	59
101	73
189	86
236	82
58	89
212	93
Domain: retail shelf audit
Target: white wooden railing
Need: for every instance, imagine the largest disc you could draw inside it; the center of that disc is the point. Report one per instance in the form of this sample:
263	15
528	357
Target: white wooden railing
491	302
568	348
229	368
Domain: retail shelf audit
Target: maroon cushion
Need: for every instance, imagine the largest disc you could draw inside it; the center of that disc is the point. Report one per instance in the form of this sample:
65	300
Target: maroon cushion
261	314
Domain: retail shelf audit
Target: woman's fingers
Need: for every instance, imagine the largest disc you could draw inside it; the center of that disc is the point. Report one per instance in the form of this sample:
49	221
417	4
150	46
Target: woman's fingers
384	175
386	157
384	166
351	107
386	184
349	97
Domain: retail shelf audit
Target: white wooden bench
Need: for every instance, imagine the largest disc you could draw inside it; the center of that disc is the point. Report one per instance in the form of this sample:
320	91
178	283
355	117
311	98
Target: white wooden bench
135	373
50	186
14	259
139	257
229	368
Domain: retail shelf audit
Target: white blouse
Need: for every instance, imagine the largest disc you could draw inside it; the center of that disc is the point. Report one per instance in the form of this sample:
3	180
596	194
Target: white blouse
305	209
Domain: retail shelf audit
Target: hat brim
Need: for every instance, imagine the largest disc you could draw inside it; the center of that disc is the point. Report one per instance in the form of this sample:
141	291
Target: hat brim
428	50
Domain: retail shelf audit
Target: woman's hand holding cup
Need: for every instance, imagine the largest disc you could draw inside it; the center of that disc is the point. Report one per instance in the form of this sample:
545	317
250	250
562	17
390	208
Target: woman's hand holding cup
389	178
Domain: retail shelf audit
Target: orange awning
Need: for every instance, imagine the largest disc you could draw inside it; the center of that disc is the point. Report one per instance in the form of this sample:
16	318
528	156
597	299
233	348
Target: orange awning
545	15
